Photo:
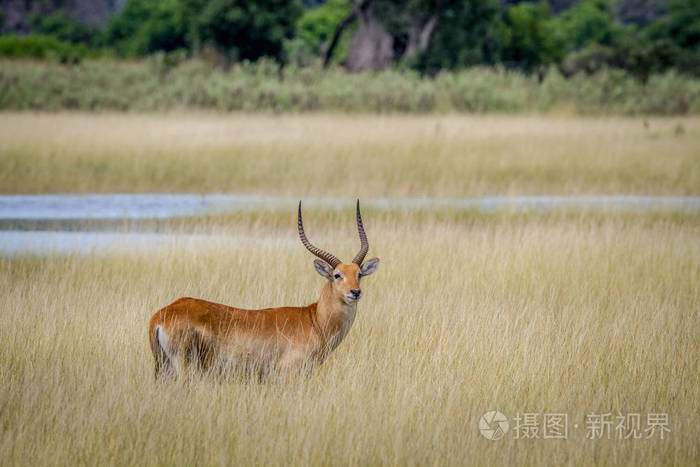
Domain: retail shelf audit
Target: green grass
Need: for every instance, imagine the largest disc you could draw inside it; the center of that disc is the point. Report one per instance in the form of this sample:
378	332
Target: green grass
341	156
576	314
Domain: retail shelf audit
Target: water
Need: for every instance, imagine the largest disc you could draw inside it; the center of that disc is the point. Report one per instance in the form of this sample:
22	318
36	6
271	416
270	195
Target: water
13	242
44	243
143	206
123	206
148	206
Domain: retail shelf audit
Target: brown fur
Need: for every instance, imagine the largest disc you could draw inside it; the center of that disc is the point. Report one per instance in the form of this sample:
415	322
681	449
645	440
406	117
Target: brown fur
203	335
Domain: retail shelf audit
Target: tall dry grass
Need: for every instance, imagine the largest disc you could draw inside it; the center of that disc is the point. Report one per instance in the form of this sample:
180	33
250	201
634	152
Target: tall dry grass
336	156
579	314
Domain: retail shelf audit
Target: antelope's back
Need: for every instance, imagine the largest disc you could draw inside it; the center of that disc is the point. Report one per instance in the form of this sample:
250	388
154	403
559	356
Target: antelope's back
234	327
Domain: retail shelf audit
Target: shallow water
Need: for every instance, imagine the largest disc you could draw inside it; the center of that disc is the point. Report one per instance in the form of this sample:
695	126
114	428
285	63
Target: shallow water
122	206
44	243
142	206
14	242
147	206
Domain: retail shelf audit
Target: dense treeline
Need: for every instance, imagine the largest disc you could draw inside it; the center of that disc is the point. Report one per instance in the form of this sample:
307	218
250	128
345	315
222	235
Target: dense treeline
586	36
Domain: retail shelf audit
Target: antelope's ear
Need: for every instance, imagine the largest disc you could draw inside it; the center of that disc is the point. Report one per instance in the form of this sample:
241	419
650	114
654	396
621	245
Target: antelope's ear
369	266
323	268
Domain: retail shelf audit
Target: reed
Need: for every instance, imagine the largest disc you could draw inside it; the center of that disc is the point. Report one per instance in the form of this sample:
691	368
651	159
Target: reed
579	314
354	156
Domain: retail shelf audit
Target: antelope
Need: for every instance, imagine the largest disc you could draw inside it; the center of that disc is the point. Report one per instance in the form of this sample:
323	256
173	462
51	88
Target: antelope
192	336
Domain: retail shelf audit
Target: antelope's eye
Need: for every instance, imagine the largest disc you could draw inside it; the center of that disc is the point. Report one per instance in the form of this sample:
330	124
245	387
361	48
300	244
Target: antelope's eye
337	275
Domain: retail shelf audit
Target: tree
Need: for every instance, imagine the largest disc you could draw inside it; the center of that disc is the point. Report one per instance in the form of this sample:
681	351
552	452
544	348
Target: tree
681	24
639	12
681	28
372	47
242	29
589	22
531	37
389	31
147	26
466	36
64	28
316	27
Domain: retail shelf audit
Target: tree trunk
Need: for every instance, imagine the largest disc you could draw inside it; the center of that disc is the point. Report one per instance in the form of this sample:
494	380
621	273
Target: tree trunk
336	38
420	35
372	46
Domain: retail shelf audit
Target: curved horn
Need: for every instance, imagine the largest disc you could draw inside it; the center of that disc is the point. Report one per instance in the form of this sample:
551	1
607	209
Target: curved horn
364	244
324	255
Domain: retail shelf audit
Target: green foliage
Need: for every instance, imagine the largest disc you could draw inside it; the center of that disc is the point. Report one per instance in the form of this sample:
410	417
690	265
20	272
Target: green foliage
601	43
681	24
123	27
163	31
64	28
398	16
531	36
589	22
316	27
586	38
643	57
465	37
590	60
37	46
401	17
639	12
147	26
242	29
166	83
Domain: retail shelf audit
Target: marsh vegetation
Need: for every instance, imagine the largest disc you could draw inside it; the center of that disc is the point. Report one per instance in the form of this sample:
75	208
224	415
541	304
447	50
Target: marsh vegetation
563	311
522	314
338	156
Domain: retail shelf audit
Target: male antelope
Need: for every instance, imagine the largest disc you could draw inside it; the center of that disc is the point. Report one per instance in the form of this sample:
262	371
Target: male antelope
193	334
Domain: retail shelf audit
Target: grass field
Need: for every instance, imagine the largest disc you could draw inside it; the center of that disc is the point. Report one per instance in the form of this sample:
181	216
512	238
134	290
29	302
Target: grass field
348	156
585	315
565	312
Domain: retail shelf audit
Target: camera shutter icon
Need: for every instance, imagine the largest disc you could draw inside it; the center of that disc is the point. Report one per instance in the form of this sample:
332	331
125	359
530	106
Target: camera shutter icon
493	425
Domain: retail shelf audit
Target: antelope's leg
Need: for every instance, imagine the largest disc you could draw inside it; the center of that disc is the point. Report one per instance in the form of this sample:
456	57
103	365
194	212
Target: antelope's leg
292	363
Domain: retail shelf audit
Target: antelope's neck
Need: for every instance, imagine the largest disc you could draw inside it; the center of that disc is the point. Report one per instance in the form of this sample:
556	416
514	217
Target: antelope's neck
335	317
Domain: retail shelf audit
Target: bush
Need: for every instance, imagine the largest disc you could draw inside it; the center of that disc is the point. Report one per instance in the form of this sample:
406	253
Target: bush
147	26
638	55
590	22
531	37
166	82
590	60
37	46
681	25
465	37
242	29
64	28
643	57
